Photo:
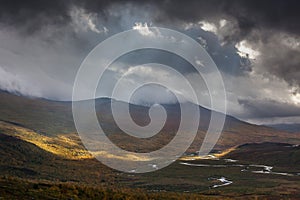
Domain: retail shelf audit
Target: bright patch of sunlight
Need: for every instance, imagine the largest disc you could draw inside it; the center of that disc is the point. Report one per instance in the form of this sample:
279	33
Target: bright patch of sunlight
209	156
245	50
128	157
67	146
296	98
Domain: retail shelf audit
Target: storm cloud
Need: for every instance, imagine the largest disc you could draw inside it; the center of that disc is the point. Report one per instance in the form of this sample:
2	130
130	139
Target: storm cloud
268	14
255	44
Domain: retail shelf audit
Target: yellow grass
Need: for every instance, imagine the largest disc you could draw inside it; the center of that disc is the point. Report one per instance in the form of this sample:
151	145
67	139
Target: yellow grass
223	153
210	156
70	146
128	157
64	145
67	145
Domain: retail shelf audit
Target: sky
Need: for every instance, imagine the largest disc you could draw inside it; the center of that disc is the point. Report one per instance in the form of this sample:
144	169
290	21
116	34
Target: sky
255	45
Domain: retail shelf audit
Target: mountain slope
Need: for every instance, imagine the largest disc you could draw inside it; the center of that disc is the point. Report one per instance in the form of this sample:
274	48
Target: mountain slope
23	159
43	116
292	128
29	170
50	118
64	145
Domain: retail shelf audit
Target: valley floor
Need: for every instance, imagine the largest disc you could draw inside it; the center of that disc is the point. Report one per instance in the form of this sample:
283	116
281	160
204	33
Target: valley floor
34	166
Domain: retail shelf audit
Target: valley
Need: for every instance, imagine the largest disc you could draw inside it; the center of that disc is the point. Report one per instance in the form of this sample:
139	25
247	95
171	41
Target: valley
237	172
41	155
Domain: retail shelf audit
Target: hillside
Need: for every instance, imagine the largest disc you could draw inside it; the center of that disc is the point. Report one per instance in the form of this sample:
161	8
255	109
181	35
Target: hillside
45	168
292	128
19	158
51	118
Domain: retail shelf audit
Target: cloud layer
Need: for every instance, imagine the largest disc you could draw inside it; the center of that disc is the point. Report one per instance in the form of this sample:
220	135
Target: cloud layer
255	44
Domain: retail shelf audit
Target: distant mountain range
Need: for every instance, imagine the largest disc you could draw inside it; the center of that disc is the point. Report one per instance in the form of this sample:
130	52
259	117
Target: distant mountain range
292	128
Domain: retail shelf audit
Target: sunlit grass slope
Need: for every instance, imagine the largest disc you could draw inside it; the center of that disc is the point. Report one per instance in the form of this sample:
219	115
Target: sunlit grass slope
65	145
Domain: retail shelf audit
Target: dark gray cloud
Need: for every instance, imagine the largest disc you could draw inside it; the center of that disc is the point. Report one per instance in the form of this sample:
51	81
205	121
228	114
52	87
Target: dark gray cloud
252	18
280	57
268	14
273	14
30	16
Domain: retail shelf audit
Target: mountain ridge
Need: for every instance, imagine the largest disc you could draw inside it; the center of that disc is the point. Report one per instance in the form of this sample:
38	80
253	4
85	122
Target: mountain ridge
51	117
292	128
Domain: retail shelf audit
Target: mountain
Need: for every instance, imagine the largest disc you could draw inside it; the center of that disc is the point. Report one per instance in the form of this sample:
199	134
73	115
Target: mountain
44	116
51	118
292	128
